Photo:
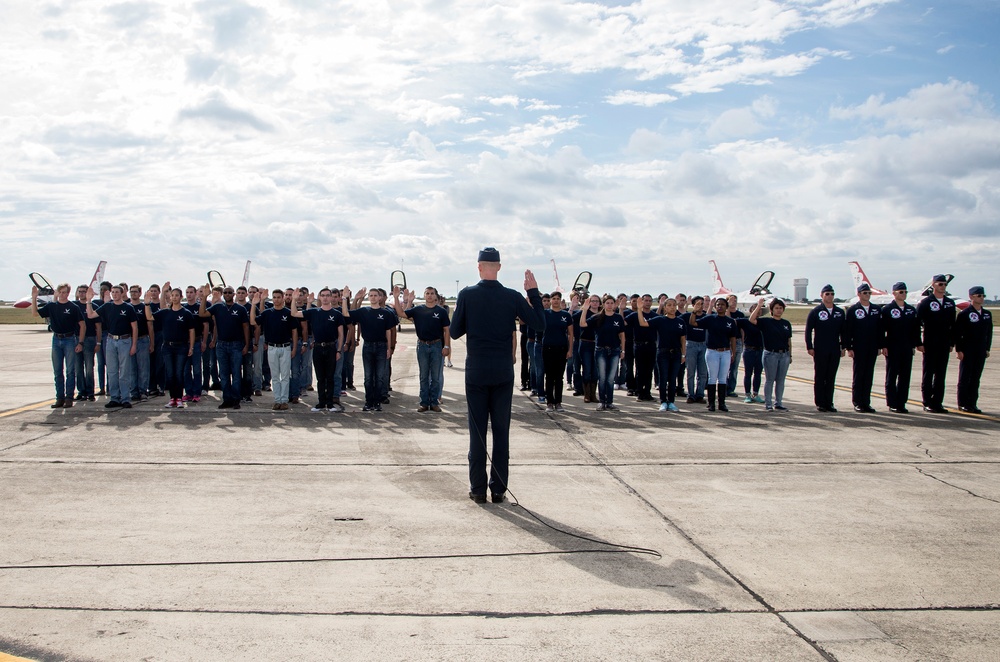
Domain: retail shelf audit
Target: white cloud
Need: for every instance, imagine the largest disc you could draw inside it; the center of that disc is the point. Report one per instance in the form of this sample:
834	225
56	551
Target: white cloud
634	98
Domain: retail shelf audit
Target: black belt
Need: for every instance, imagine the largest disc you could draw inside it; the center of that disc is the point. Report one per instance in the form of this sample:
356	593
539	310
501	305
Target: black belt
279	344
587	340
750	347
174	344
121	337
326	344
428	342
720	349
65	335
778	351
643	342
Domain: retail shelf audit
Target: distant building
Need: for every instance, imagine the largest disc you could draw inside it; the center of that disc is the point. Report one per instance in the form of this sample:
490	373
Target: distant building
800	287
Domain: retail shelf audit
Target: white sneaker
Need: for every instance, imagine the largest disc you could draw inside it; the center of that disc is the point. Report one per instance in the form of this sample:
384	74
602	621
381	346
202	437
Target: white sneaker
663	406
316	409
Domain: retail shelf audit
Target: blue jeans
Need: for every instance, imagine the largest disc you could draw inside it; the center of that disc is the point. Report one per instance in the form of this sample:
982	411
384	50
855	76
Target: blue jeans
119	365
258	366
607	371
85	367
538	367
64	366
295	379
696	367
192	372
209	367
230	356
102	364
718	366
529	348
752	366
140	369
734	366
775	368
347	370
376	367
280	360
588	361
174	360
306	373
431	364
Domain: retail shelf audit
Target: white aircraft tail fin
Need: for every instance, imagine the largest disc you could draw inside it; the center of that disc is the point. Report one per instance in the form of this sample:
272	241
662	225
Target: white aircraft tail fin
246	275
859	276
95	282
717	286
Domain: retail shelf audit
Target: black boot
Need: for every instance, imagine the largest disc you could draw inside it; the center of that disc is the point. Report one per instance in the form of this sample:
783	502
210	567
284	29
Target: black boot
711	397
722	398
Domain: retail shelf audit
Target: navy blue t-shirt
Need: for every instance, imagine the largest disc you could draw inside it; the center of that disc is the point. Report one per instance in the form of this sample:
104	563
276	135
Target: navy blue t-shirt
140	318
556	324
695	334
373	322
606	335
669	331
116	319
428	321
199	327
174	324
751	333
63	317
229	321
776	333
323	324
91	324
720	329
641	334
278	324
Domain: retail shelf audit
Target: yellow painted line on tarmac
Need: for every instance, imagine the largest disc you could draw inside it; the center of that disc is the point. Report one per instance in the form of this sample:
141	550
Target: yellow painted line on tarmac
19	410
915	403
10	658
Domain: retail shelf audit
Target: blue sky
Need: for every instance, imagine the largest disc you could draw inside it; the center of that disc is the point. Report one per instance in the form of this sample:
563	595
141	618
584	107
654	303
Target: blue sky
332	142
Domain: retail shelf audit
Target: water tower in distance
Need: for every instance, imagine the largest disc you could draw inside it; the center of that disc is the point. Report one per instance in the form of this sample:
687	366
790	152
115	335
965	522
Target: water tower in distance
799	288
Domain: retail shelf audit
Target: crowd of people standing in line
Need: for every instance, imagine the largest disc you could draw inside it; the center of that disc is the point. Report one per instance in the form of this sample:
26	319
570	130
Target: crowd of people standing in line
245	341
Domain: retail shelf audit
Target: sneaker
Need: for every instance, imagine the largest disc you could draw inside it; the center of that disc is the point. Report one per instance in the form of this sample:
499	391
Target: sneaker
337	408
601	407
610	407
423	408
317	409
112	405
781	408
196	398
275	407
541	399
672	407
171	404
768	408
236	405
267	388
559	407
258	392
758	400
352	387
691	401
367	408
226	404
186	398
664	407
343	393
748	400
378	407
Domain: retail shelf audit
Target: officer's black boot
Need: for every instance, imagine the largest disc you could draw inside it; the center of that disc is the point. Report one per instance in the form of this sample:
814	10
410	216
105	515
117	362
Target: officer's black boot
711	397
722	398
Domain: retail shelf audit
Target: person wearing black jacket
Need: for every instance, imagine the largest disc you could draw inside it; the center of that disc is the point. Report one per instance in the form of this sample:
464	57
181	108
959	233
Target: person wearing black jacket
824	342
936	314
901	337
864	342
973	340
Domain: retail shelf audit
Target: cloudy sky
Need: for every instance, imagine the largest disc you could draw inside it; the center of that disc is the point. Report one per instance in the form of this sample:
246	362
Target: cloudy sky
332	142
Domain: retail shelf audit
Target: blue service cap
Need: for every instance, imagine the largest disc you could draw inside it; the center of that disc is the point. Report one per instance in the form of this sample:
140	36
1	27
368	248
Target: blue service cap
489	254
864	287
826	288
900	286
940	278
978	289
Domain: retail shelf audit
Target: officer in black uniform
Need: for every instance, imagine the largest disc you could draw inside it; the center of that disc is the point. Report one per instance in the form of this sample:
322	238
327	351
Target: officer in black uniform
901	333
973	340
864	342
824	342
936	314
488	311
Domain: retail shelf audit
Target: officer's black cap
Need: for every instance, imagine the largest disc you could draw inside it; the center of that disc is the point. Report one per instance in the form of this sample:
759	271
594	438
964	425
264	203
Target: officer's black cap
978	289
864	287
489	254
899	286
940	278
826	288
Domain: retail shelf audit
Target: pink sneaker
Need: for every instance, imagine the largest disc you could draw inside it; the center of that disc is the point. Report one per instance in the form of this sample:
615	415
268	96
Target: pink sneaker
196	398
172	403
186	398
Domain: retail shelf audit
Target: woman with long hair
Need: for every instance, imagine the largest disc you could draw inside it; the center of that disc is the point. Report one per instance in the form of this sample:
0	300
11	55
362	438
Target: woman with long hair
609	341
777	336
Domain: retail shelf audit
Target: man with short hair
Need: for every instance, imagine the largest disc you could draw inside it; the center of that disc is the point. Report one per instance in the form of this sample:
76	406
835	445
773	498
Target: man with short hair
140	360
682	303
157	375
973	341
246	361
643	348
488	312
231	340
430	322
901	333
119	320
325	325
936	314
734	367
863	340
375	327
281	332
85	358
824	342
68	332
696	351
193	364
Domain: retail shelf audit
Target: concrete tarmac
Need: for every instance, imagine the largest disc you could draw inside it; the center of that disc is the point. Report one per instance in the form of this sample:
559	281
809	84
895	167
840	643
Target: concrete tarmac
201	534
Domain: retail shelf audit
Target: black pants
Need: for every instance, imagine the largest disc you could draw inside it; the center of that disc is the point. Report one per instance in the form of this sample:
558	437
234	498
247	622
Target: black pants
246	379
970	370
525	362
935	369
554	362
626	373
489	404
864	374
645	357
826	364
669	364
325	364
680	377
898	366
